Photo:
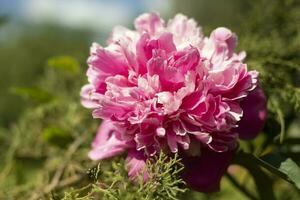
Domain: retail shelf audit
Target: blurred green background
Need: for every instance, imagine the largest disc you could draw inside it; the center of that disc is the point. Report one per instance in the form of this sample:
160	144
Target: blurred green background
44	45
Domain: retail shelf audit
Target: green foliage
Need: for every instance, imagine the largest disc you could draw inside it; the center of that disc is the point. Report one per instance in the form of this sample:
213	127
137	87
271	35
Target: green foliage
56	136
164	182
44	152
24	50
43	142
35	94
292	170
164	174
66	63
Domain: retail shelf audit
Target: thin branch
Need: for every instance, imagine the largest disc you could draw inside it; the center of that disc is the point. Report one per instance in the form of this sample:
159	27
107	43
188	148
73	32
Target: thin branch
60	170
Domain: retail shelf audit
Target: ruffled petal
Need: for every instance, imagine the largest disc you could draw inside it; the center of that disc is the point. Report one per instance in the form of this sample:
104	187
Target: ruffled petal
86	99
186	31
147	47
150	23
106	144
219	46
109	60
136	164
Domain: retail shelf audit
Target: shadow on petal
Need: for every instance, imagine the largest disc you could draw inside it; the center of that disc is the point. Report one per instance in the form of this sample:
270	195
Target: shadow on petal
203	173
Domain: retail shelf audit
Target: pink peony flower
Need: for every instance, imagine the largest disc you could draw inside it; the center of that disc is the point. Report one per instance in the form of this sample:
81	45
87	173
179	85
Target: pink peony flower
164	86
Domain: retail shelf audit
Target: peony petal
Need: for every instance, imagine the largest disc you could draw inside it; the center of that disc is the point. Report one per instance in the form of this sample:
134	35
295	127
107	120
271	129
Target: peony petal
106	144
172	141
146	47
150	23
219	47
203	173
255	113
136	164
86	99
170	102
186	31
109	60
225	40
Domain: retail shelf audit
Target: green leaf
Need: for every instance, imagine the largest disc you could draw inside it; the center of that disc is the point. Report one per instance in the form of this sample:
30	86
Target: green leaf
65	63
264	184
57	136
274	163
280	118
35	94
292	170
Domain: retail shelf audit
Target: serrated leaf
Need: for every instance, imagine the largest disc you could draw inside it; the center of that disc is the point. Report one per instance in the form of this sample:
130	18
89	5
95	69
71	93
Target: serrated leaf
292	170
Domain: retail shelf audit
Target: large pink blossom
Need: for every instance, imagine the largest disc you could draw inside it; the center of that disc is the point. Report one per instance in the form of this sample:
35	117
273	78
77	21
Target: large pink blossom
164	86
